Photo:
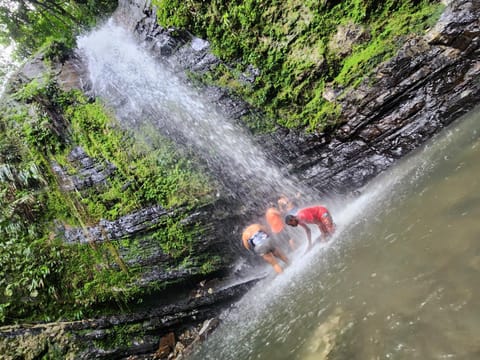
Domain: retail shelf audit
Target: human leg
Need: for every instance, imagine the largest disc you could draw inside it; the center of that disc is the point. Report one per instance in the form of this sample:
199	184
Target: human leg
326	225
270	258
277	252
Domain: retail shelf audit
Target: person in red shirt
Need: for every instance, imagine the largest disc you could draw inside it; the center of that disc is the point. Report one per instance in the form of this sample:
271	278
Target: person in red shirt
317	215
256	239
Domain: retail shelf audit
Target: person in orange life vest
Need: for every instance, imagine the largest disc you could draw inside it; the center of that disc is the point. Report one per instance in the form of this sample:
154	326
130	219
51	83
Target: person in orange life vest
256	239
317	215
277	226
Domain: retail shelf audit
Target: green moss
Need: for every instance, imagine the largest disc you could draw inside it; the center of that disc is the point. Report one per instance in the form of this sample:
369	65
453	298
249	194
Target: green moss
120	336
211	264
287	42
388	34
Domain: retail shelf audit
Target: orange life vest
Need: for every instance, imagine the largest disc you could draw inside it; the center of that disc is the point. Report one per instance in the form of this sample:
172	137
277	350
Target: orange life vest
274	219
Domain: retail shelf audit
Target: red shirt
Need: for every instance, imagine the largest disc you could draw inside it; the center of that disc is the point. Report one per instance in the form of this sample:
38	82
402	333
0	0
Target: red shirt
318	215
311	215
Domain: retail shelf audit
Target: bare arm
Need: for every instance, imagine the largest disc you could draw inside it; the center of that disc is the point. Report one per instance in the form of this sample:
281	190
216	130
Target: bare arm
309	234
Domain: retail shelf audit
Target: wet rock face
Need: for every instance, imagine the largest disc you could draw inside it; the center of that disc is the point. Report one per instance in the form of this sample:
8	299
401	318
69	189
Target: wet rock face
91	172
430	83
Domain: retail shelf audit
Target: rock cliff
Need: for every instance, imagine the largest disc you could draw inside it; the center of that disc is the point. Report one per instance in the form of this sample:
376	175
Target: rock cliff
430	83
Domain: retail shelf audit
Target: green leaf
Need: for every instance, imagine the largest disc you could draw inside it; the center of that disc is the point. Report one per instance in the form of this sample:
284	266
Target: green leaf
8	291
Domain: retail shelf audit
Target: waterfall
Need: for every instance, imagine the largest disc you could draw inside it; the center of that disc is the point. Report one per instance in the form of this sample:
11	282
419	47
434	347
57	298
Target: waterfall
145	91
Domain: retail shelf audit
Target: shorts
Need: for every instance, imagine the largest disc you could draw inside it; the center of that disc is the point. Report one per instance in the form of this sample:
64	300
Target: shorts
327	225
261	243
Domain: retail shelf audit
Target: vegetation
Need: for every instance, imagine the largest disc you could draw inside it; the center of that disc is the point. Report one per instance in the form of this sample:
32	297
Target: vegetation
32	23
40	276
289	42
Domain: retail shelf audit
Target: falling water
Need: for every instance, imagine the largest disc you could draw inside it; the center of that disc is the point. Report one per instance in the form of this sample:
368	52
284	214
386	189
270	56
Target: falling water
398	281
142	91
